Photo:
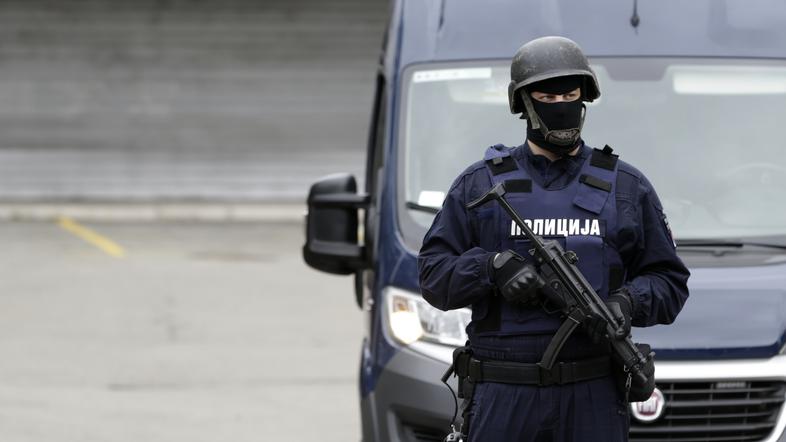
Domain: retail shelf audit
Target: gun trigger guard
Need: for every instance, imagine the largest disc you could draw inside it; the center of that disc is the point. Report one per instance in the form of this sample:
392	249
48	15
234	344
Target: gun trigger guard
546	304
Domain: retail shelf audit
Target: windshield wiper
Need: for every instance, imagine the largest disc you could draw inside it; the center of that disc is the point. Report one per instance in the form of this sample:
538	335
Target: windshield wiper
716	243
418	207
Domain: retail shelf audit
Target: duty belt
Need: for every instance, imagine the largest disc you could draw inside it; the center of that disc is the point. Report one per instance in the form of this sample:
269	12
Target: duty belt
476	371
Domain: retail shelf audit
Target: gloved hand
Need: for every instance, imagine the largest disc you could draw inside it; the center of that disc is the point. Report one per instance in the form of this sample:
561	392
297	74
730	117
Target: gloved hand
621	306
517	280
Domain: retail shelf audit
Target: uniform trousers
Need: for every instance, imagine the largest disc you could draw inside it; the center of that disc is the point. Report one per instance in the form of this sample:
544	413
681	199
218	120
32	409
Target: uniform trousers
587	411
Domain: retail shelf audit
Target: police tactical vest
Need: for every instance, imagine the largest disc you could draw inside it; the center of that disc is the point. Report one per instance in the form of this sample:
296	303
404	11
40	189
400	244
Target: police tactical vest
581	215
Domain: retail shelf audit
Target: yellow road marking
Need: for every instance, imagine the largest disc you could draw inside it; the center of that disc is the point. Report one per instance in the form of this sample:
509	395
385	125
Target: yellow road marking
105	244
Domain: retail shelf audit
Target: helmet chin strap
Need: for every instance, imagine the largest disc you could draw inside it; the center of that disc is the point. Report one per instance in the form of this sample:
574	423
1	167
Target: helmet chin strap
562	137
534	119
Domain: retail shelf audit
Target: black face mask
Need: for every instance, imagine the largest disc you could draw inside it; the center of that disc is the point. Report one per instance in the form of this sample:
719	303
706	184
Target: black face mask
562	121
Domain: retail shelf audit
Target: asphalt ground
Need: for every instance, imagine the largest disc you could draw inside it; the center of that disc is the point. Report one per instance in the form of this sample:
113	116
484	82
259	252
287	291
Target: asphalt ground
172	331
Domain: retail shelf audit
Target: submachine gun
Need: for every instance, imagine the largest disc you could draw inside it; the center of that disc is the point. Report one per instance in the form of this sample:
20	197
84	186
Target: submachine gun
569	291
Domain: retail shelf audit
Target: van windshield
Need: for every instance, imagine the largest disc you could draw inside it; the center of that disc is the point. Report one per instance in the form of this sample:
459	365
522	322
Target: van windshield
706	132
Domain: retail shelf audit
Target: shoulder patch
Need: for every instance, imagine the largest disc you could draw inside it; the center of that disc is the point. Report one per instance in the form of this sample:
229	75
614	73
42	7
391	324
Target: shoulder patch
668	230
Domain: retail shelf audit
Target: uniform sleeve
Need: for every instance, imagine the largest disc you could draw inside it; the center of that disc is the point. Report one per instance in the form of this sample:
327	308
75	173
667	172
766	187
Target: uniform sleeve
657	279
453	272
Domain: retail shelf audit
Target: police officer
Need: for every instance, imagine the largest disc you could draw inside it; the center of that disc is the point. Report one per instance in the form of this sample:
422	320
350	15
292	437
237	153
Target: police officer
595	204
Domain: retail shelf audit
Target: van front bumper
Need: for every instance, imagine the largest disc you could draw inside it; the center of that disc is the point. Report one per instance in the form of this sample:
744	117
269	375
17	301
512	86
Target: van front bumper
409	403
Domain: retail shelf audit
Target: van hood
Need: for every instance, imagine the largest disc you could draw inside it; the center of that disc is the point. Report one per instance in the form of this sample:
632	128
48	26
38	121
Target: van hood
730	313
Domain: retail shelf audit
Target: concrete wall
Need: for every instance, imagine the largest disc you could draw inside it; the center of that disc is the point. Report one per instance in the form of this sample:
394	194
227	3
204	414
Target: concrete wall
226	100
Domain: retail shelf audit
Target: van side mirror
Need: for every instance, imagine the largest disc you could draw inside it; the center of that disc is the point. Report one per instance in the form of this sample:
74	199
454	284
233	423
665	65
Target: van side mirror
332	226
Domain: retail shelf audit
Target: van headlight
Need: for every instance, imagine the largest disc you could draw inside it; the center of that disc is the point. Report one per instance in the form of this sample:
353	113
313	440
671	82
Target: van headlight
410	318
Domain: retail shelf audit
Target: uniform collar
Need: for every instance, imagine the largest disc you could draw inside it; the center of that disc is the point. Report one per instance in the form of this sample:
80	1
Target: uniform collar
569	164
551	174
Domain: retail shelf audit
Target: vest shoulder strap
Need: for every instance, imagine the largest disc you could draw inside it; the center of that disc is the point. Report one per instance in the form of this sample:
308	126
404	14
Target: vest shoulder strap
604	158
596	180
498	160
502	167
627	184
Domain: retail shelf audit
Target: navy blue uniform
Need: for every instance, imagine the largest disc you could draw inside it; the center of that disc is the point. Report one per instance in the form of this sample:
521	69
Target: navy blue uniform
622	239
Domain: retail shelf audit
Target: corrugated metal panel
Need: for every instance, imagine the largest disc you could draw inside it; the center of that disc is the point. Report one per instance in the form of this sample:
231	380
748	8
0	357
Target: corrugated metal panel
183	99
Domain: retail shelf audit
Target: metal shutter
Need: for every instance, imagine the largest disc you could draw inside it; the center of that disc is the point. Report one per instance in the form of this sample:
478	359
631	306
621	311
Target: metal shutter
227	100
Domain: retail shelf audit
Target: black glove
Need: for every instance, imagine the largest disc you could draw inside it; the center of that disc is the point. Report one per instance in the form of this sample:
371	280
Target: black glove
621	307
517	281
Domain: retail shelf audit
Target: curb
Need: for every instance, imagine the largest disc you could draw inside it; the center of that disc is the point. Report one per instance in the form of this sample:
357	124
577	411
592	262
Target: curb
151	212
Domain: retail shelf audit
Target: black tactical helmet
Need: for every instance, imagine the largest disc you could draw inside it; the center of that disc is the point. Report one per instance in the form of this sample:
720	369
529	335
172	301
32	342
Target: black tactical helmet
549	57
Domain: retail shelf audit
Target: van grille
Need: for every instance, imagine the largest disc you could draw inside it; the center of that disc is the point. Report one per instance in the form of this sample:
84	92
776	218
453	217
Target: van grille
714	412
